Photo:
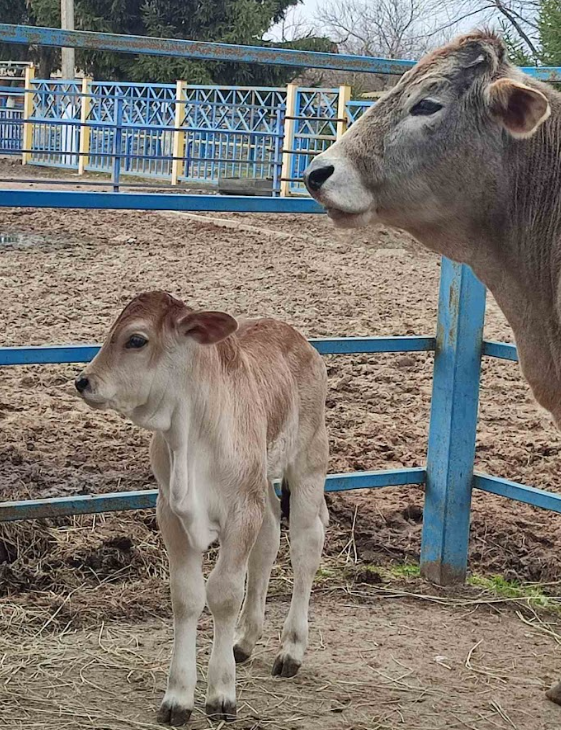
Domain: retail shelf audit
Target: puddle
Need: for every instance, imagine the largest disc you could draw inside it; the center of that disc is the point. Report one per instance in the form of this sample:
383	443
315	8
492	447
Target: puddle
19	240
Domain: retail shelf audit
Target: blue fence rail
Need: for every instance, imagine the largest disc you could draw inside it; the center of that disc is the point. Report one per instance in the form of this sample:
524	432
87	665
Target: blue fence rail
458	345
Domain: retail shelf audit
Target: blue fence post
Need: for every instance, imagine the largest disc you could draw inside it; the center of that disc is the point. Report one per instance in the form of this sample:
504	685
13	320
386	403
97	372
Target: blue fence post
277	148
117	143
453	424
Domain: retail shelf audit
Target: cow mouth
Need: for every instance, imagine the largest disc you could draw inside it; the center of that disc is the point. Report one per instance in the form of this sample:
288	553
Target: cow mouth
347	219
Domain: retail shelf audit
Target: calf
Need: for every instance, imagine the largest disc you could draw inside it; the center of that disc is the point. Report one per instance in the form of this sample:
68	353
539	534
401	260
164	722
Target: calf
233	406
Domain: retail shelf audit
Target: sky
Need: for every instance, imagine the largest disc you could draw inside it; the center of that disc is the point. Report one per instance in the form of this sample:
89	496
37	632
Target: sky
308	12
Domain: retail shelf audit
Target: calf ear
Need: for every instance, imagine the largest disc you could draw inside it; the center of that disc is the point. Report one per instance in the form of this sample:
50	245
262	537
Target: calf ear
519	108
208	328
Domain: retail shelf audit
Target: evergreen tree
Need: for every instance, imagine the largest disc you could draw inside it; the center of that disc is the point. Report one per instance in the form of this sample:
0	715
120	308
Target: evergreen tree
227	21
550	32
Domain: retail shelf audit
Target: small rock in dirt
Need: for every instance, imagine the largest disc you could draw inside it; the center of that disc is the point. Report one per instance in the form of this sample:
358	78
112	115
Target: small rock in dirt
123	238
342	382
121	543
371	577
405	362
413	512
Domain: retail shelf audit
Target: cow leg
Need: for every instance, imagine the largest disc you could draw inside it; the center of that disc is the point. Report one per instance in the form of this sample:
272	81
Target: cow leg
261	561
224	592
188	600
554	694
308	518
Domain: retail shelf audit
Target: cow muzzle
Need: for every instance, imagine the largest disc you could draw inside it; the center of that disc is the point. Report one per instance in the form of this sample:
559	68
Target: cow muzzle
335	183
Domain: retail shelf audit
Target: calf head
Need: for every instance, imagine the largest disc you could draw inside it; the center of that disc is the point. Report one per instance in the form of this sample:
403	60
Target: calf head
431	152
148	356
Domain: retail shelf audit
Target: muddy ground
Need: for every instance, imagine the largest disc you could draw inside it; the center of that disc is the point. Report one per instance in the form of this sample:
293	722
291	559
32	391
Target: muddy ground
63	277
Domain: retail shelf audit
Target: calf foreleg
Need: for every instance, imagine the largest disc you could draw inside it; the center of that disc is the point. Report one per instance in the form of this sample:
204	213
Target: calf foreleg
188	599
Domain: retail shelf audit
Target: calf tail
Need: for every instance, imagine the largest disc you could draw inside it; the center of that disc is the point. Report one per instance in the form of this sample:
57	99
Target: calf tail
285	504
324	513
285	500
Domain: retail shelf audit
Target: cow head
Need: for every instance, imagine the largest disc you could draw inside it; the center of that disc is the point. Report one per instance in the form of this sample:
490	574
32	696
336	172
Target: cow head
431	153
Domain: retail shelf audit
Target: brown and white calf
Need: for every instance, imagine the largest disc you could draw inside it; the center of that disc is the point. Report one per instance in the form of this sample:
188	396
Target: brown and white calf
233	406
465	154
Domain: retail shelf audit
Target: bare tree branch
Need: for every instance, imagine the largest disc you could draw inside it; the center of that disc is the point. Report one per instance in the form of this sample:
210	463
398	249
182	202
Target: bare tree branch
510	16
518	16
389	28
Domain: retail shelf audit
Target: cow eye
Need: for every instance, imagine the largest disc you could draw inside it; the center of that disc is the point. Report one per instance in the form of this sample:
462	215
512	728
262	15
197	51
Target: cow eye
135	342
425	108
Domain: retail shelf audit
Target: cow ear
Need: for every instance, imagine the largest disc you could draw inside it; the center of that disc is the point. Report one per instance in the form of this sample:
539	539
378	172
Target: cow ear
519	108
208	328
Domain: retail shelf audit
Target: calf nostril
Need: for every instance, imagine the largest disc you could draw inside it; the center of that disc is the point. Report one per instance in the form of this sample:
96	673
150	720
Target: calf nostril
81	383
317	176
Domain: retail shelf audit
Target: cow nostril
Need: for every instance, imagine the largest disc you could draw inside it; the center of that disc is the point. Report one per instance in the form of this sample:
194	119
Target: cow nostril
317	176
81	383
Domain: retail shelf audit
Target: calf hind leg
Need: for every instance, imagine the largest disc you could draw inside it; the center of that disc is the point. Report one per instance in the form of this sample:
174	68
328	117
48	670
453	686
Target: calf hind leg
308	518
224	590
261	560
554	694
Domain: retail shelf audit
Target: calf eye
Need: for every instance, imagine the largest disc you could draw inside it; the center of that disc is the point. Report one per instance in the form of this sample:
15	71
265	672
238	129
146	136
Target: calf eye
425	108
135	342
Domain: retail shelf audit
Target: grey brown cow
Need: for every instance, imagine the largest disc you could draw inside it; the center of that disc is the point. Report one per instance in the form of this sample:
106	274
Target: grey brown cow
465	154
233	406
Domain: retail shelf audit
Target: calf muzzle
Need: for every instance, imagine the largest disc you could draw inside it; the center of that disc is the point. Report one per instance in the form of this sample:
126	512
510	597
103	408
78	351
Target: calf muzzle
82	383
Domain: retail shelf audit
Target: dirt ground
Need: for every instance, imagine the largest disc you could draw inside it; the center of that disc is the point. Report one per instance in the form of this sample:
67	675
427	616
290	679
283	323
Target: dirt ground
64	275
375	664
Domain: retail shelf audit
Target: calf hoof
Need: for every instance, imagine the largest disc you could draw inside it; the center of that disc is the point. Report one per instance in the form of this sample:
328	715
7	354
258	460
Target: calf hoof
221	709
554	694
173	714
285	666
240	655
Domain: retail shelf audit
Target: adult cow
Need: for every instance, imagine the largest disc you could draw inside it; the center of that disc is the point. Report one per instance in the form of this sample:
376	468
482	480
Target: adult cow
464	153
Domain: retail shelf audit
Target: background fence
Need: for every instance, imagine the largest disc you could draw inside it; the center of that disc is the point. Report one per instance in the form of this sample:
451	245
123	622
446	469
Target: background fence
176	133
12	82
458	346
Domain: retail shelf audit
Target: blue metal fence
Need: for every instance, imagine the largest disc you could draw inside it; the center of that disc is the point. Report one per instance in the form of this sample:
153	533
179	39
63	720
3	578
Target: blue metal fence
56	123
233	132
355	109
458	345
315	129
11	120
225	131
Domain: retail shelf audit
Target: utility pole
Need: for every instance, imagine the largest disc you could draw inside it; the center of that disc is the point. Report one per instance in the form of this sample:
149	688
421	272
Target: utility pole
68	68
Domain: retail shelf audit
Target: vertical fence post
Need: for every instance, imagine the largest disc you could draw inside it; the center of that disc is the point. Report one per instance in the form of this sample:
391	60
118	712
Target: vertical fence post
83	159
27	141
178	164
277	150
342	112
453	424
117	143
288	141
